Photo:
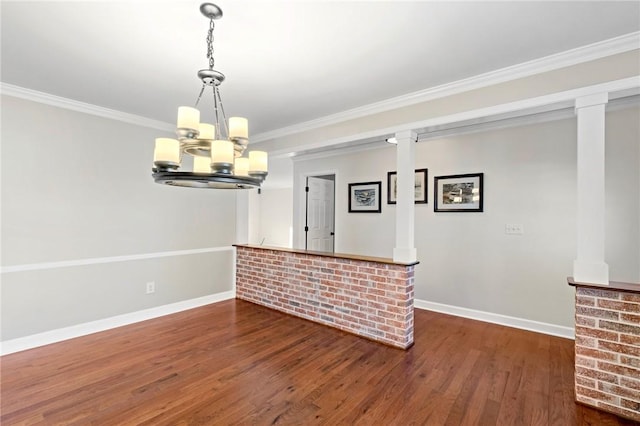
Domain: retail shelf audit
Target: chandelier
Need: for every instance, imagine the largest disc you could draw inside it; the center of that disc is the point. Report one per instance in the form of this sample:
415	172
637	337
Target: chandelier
217	149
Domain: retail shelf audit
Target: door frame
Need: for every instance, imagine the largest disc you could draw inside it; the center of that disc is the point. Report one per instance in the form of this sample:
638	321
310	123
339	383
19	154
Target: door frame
302	206
306	210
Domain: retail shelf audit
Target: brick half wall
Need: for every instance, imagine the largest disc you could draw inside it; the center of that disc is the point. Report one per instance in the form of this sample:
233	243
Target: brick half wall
607	350
370	299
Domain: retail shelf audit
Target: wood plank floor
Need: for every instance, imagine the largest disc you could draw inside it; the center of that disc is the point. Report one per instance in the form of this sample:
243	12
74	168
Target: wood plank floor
238	363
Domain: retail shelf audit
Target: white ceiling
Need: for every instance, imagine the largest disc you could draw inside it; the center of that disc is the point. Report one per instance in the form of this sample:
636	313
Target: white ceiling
286	62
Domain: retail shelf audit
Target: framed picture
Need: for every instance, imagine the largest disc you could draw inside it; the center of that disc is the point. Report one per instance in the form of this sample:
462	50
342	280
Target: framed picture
458	193
365	197
420	186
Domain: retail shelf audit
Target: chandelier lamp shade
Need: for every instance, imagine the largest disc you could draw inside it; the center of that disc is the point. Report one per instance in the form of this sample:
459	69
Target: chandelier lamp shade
217	148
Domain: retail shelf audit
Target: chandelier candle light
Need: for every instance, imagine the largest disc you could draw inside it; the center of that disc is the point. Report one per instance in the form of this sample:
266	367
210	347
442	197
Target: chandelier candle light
217	149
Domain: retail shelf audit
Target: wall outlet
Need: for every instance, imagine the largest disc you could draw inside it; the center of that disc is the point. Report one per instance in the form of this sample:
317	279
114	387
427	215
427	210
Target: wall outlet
514	229
151	287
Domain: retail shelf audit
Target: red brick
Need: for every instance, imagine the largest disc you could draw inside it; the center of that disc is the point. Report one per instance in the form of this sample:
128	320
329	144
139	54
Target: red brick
595	374
585	301
585	362
594	292
586	321
594	332
618	306
588	342
349	268
618	410
618	390
396	309
597	313
619	327
631	405
594	353
630	361
583	399
630	340
630	383
618	369
367	323
586	382
630	318
619	348
359	314
600	396
394	323
351	306
374	305
630	297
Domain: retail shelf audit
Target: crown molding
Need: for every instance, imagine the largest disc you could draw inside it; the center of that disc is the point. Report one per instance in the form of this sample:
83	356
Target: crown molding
623	92
564	59
73	105
568	58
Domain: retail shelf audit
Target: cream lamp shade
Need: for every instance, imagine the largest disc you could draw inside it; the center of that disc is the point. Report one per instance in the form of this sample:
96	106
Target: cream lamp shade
201	164
188	118
238	127
222	152
207	131
258	161
241	167
167	151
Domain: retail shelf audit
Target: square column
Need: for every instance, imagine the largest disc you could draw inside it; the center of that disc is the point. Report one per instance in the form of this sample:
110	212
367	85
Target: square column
589	266
405	250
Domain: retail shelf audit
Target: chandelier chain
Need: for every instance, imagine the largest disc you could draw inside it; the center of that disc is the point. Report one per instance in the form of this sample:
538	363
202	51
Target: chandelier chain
210	44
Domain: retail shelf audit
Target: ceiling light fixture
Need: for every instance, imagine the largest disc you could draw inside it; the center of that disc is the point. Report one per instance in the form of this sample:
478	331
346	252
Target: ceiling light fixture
391	141
216	148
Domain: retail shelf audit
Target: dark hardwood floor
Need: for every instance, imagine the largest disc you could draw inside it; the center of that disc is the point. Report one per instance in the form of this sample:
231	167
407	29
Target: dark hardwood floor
239	363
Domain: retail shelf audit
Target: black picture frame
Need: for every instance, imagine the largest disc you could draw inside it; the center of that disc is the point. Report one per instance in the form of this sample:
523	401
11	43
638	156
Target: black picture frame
365	197
459	193
421	186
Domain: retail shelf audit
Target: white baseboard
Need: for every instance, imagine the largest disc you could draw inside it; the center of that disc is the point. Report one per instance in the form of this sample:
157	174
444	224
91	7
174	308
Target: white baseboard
525	324
60	334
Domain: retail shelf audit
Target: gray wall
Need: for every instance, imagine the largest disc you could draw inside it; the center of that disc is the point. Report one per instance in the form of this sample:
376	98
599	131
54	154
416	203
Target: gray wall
76	186
276	217
466	260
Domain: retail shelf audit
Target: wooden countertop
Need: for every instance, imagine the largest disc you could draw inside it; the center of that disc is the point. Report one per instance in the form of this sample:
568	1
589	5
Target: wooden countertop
330	254
613	285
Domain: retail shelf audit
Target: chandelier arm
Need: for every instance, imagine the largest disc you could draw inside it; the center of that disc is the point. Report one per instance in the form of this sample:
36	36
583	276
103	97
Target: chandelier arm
200	94
224	116
217	115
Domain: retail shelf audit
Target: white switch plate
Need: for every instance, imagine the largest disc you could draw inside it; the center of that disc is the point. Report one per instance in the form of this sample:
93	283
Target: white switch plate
514	229
151	287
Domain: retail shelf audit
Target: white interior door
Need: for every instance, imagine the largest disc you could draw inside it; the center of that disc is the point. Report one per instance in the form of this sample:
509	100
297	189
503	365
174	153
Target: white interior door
320	214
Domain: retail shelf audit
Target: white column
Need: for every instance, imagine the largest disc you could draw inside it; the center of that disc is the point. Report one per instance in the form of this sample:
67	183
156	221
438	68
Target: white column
589	266
405	250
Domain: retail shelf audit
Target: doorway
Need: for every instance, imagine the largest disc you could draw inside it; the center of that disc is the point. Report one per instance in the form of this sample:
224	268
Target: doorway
320	213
